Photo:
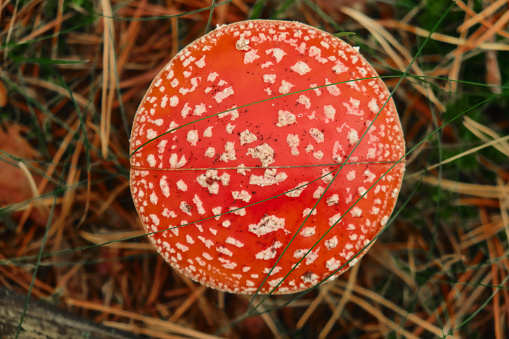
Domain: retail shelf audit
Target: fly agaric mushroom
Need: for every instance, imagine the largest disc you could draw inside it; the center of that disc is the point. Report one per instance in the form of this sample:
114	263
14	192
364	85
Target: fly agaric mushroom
225	193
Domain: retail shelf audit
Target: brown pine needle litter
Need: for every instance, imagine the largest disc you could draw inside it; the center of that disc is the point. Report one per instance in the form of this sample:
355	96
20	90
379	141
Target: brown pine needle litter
72	76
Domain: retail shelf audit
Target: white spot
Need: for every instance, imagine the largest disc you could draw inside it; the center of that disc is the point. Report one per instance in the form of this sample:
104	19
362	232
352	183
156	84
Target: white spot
353	262
210	180
317	135
334	219
296	192
229	153
267	64
286	87
230	128
165	188
369	176
181	185
334	200
164	100
158	122
373	106
308	231
174	101
182	247
189	239
212	76
251	56
304	100
153	198
247	137
175	163
234	242
310	278
186	208
224	250
362	192
263	152
353	107
192	137
350	176
225	93
187	61
155	219
273	283
293	142
207	256
151	159
329	111
199	204
185	110
238	211
353	136
242	44
384	220
301	68
217	211
326	176
233	113
270	78
269	253
318	192
318	155
227	263
332	89
208	243
275	270
242	170
270	177
200	63
331	243
314	51
339	68
277	53
210	152
208	132
199	109
241	195
285	118
307	211
151	134
333	264
356	212
268	224
169	214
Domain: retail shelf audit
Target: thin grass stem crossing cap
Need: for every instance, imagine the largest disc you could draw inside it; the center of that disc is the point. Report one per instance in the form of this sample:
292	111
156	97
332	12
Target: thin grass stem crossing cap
266	155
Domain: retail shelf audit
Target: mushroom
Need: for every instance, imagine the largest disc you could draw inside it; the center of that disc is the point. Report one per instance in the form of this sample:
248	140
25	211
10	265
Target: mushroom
260	138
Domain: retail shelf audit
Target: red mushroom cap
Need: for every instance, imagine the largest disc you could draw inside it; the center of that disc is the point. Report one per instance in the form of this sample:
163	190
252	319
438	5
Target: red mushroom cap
210	183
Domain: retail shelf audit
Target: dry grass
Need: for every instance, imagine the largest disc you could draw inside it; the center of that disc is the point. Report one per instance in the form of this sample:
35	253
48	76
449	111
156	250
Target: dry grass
72	75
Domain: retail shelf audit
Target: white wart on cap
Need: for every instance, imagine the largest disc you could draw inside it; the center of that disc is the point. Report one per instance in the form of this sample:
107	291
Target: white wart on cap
232	162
